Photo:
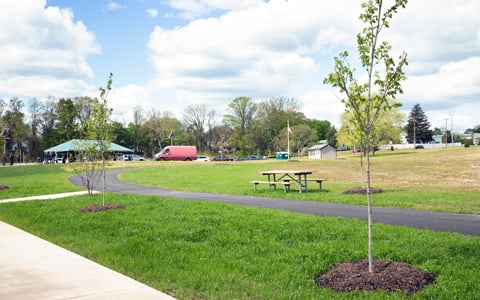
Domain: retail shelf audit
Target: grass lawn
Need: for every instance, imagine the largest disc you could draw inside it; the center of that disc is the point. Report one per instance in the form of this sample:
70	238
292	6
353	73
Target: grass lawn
199	250
33	180
445	180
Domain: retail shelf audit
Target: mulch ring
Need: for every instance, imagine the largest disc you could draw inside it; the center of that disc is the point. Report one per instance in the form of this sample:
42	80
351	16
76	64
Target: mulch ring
363	191
3	187
387	276
98	207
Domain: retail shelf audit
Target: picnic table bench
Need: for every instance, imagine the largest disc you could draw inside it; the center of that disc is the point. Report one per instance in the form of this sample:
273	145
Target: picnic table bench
317	180
286	184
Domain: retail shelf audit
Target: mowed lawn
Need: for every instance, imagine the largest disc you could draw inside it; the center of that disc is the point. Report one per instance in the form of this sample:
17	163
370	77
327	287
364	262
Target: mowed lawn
445	180
200	250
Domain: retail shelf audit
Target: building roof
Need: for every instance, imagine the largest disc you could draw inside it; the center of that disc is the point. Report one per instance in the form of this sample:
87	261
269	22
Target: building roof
79	145
319	147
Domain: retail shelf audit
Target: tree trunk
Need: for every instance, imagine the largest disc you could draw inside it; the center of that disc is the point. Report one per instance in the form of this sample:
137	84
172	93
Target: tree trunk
369	200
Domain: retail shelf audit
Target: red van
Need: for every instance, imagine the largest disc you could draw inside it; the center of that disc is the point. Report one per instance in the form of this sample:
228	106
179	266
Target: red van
187	153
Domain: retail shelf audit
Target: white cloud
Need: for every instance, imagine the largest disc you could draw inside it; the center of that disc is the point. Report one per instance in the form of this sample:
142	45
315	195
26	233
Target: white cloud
435	35
192	9
114	5
252	48
44	52
287	48
152	12
259	52
125	99
455	80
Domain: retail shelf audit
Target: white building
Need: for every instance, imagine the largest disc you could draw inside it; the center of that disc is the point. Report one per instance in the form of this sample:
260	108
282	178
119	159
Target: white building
322	151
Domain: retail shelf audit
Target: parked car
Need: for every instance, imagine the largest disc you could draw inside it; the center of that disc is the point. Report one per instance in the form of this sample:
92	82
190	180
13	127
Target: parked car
129	157
137	158
419	147
222	158
124	157
253	157
203	158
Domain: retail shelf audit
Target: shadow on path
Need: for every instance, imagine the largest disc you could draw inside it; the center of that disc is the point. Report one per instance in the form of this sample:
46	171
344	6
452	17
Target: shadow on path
449	222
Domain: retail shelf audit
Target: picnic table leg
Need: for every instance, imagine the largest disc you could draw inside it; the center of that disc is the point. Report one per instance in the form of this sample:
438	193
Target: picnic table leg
286	186
274	180
306	182
300	183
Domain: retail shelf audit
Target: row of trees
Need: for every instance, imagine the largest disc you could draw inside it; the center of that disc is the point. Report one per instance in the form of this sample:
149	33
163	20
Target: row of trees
248	128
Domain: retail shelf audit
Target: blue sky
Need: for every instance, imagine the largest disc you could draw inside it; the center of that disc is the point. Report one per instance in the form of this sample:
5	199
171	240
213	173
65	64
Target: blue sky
168	54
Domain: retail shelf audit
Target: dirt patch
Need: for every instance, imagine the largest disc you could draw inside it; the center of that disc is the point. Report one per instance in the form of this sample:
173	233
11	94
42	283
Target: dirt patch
387	276
3	187
98	207
363	191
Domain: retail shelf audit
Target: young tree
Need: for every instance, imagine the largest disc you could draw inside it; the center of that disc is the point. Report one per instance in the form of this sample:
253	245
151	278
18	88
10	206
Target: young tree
366	100
94	149
387	129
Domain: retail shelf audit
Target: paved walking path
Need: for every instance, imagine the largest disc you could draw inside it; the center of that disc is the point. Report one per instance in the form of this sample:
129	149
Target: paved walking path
450	222
32	268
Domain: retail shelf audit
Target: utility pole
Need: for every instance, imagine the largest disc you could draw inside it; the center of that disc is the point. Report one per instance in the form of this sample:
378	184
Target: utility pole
451	127
446	133
414	133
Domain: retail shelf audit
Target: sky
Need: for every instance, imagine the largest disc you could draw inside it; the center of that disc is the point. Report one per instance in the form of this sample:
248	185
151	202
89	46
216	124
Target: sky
169	54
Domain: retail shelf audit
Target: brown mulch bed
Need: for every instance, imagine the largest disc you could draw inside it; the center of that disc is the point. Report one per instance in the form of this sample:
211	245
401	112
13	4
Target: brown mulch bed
98	207
4	187
387	276
363	191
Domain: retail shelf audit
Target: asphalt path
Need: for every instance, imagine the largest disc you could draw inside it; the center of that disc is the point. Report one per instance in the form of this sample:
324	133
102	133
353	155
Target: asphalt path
437	221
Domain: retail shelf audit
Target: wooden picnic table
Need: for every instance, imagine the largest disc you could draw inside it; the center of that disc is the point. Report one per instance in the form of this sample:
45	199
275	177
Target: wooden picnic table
282	176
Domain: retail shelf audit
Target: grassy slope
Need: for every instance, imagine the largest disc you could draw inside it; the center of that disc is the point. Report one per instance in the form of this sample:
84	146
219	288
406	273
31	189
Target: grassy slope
199	250
216	251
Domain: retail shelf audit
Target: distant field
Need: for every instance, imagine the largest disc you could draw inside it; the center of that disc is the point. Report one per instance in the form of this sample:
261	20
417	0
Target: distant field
445	179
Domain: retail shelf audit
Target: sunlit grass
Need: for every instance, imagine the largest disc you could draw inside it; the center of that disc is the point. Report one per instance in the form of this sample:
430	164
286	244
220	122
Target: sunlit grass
201	250
441	180
30	180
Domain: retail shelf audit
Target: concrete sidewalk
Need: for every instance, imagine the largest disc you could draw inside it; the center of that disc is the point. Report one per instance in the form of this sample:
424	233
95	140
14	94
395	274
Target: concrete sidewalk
32	268
44	197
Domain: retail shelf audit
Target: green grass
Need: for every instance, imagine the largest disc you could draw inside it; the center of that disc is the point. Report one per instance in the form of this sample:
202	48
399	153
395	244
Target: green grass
416	192
199	250
33	180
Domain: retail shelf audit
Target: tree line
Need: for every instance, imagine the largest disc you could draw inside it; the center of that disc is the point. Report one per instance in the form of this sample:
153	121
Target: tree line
249	127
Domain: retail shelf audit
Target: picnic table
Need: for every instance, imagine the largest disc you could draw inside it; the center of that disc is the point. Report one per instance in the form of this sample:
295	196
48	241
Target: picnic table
285	178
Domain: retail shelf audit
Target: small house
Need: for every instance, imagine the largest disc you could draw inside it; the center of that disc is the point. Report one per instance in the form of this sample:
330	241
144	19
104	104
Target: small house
322	151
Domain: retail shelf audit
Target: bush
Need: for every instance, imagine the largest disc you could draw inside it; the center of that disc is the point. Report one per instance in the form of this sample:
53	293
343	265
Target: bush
467	143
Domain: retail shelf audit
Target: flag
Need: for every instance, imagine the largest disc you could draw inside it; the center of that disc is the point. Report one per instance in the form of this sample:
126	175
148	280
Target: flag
289	129
171	135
